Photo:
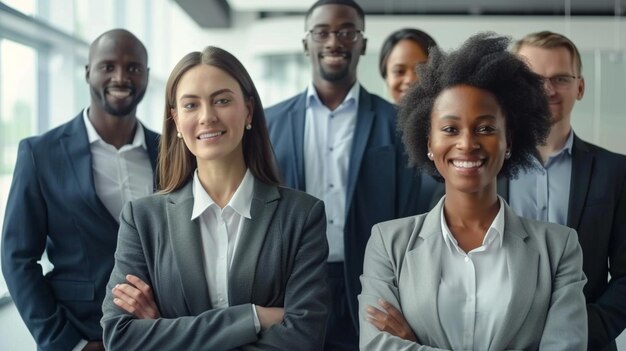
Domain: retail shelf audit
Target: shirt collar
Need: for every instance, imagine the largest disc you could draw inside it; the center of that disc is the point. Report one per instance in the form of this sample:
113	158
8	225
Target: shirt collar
93	136
241	201
352	96
495	231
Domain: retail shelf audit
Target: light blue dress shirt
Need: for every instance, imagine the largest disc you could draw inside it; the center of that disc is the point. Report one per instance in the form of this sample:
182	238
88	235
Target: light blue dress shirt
543	193
328	137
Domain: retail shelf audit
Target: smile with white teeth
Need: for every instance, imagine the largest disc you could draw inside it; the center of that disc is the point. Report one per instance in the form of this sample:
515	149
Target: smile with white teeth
119	93
467	164
205	136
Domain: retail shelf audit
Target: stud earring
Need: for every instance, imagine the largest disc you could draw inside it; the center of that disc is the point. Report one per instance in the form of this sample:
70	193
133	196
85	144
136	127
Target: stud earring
507	154
248	126
179	135
430	155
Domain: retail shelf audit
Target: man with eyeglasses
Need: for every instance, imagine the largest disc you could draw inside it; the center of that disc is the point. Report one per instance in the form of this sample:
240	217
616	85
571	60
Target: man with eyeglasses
339	142
577	184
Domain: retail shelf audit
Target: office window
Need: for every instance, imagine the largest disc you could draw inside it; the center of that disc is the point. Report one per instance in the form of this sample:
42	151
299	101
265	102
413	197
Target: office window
18	111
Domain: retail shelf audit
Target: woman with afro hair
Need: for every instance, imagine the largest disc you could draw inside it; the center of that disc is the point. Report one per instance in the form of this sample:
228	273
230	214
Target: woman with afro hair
470	274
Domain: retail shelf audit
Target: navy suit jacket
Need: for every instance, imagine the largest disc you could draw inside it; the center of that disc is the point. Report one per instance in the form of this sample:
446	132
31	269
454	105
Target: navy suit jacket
53	206
597	210
380	185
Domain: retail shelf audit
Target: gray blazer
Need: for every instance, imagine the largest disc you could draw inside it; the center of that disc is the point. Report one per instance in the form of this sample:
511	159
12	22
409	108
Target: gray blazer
547	308
280	262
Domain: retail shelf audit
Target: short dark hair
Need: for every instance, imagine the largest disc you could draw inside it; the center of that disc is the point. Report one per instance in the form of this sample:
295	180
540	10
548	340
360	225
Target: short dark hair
350	3
421	38
483	62
176	163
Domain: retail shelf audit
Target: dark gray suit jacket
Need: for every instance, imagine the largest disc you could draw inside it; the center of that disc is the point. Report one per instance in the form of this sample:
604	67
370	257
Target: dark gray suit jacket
597	210
279	262
547	307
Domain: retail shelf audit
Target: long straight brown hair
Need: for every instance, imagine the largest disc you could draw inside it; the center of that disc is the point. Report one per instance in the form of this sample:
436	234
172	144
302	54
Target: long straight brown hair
176	163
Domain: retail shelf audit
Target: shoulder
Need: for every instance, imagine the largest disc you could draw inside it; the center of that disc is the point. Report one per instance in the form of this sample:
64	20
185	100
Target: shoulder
43	141
399	232
378	103
551	235
292	198
278	108
146	207
605	157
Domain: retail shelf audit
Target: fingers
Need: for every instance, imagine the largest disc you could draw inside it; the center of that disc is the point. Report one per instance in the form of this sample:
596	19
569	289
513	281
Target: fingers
377	317
391	310
139	284
133	300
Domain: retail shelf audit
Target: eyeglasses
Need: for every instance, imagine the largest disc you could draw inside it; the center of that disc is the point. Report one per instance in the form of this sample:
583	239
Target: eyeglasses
343	35
562	80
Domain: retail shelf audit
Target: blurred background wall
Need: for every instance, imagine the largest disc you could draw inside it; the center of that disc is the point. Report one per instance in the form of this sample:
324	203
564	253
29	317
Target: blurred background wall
43	50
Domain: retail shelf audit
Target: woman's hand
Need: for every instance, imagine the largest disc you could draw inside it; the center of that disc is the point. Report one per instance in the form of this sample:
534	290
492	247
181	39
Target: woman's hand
269	316
136	298
391	321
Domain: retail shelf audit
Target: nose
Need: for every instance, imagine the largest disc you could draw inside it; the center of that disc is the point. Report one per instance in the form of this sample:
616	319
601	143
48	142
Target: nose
332	40
410	77
207	115
467	142
119	75
547	84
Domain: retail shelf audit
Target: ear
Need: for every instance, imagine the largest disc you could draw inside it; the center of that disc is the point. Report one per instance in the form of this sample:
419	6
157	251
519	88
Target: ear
305	47
250	106
364	46
87	73
174	116
581	88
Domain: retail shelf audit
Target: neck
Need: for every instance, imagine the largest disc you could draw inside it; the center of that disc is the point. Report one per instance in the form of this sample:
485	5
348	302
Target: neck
471	210
556	140
332	94
221	178
115	130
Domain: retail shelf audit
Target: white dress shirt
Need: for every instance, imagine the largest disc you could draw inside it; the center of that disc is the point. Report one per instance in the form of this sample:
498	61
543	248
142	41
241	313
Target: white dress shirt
475	290
220	230
120	175
328	137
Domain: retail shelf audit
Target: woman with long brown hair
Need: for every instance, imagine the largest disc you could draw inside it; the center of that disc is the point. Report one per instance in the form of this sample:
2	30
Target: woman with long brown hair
222	257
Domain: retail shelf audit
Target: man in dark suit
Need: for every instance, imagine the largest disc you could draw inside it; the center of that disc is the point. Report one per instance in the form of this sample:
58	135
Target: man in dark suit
338	142
579	185
68	189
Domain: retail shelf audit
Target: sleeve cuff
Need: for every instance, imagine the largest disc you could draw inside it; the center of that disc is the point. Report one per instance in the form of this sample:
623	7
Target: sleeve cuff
257	323
80	345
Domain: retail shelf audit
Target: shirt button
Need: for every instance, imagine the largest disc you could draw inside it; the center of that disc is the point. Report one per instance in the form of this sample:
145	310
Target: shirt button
331	148
331	221
332	185
466	259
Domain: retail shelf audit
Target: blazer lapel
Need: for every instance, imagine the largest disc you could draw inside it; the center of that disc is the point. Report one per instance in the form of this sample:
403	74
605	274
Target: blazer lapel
253	232
582	163
75	144
423	270
152	146
187	248
523	263
364	121
297	117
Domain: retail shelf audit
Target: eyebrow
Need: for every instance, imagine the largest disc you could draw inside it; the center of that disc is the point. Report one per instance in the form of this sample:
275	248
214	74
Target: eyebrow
482	117
217	92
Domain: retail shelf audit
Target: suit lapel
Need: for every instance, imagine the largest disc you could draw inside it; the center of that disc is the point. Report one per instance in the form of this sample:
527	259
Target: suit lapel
364	120
297	117
245	262
582	163
187	249
423	271
523	263
75	144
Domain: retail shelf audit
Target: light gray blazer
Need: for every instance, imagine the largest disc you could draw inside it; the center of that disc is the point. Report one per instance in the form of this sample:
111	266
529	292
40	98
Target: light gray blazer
280	261
547	308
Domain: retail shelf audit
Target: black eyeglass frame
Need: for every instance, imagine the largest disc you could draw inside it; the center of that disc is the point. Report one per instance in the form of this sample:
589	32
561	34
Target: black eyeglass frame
341	35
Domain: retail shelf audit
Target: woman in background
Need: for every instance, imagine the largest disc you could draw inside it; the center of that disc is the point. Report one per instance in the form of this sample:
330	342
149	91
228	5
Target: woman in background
401	52
471	274
222	257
